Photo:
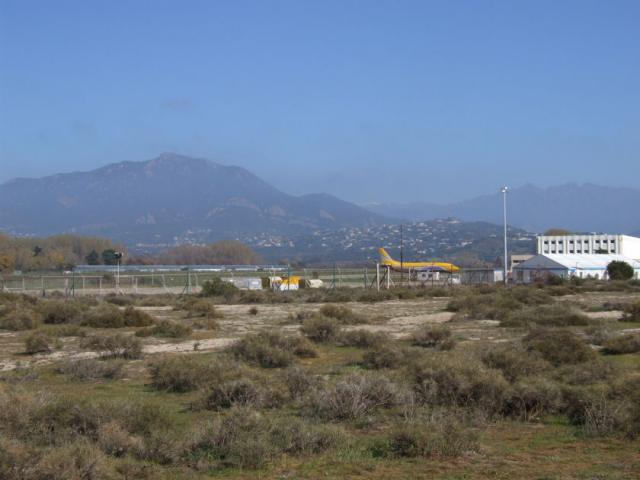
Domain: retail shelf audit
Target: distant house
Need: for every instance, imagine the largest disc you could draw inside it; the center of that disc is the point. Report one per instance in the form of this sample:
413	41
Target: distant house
589	244
569	265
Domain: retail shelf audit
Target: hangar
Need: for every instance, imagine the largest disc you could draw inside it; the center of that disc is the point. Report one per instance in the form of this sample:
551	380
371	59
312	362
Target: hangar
570	265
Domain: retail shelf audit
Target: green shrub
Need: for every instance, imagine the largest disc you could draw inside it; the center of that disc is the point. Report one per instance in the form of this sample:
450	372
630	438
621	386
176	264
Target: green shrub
354	396
271	349
321	329
619	270
433	336
37	342
117	345
165	328
91	369
558	347
626	343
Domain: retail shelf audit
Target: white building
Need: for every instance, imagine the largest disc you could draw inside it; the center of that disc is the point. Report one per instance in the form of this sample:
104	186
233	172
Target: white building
624	245
569	265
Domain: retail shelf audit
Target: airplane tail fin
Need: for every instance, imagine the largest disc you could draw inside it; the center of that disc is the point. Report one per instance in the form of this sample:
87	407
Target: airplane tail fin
384	256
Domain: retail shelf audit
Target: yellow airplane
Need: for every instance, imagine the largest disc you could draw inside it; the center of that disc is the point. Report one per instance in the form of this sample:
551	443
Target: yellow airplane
387	261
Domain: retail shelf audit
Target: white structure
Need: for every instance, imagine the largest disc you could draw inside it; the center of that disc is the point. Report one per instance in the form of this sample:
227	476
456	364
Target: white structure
589	244
571	265
245	283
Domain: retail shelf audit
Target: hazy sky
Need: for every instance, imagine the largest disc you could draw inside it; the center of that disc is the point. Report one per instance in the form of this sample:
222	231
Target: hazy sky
370	100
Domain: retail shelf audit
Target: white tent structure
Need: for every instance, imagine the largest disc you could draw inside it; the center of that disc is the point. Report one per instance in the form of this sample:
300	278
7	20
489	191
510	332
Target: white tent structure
571	265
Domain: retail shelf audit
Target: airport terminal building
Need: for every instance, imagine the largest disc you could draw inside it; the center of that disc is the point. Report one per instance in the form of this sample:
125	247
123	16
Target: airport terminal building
589	244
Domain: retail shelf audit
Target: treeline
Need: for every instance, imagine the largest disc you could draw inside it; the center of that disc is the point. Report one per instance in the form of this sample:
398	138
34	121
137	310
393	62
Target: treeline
225	252
64	252
57	252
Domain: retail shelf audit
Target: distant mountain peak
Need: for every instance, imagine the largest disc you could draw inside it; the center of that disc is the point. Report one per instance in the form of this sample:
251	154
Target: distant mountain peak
188	199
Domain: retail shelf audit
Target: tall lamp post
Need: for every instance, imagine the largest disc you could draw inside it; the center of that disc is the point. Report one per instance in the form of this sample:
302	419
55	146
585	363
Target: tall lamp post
504	191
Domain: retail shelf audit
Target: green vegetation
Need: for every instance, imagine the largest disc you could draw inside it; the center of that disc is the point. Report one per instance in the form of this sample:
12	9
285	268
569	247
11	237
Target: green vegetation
364	390
619	270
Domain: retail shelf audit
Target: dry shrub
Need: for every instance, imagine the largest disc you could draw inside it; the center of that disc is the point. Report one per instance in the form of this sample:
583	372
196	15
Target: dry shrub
77	461
353	396
632	312
16	459
458	381
200	307
360	338
515	362
530	398
65	330
117	345
383	355
298	381
204	323
134	317
91	369
104	316
321	329
587	373
343	314
595	411
438	438
272	349
247	439
115	440
57	312
20	319
180	373
546	316
165	328
558	347
433	336
626	343
233	393
495	304
37	342
253	311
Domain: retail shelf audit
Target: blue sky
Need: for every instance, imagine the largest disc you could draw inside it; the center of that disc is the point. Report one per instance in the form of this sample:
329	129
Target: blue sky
368	100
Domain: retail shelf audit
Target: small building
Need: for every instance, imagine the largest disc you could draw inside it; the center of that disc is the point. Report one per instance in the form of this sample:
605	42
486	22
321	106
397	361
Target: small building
540	267
518	259
624	245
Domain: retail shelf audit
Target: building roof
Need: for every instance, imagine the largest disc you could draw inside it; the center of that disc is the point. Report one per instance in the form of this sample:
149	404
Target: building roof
556	261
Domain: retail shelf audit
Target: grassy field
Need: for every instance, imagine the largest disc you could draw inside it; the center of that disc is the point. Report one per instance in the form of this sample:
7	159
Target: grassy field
469	383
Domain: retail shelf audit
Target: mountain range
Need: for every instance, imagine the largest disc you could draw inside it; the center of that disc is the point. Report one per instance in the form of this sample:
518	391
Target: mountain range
574	207
167	200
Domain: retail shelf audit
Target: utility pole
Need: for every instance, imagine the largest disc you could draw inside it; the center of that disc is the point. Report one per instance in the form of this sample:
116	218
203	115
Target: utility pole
401	256
504	191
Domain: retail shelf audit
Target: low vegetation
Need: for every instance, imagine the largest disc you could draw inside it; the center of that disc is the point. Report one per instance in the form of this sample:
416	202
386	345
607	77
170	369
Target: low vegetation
331	390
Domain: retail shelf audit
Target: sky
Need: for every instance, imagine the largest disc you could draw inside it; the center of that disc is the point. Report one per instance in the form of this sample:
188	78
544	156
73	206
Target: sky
373	101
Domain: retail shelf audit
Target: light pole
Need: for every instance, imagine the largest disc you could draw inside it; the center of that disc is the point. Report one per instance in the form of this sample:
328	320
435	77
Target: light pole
504	191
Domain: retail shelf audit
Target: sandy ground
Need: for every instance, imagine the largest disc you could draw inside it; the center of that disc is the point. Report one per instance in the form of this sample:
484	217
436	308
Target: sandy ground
398	319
